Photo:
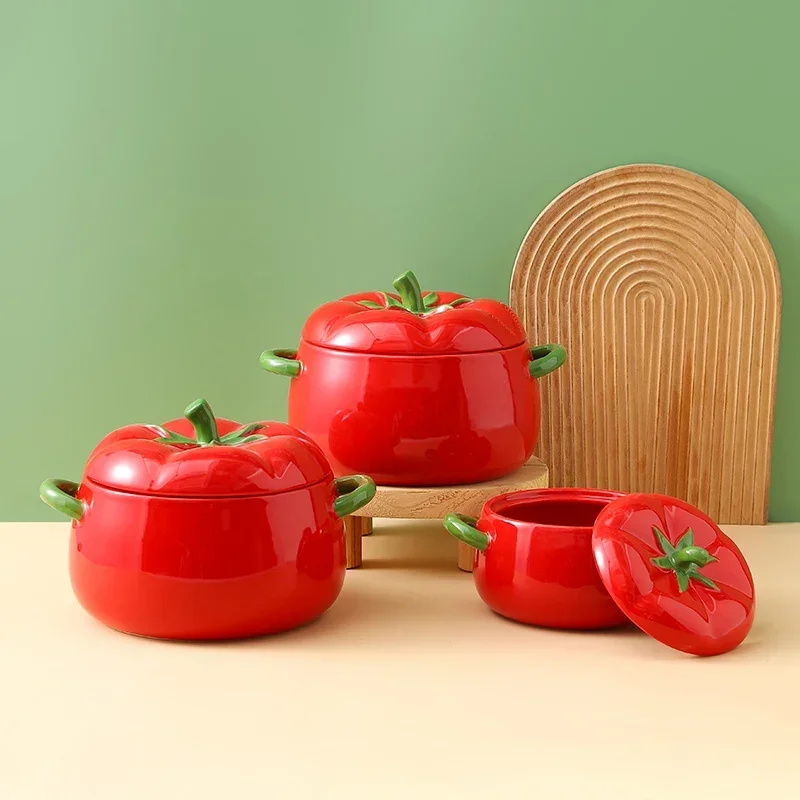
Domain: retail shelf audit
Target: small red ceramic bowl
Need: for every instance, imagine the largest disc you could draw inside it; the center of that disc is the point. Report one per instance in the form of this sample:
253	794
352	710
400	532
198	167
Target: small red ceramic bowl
534	560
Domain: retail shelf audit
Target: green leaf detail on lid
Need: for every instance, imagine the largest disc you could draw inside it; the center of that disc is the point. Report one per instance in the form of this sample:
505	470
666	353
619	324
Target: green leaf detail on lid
204	422
684	559
411	297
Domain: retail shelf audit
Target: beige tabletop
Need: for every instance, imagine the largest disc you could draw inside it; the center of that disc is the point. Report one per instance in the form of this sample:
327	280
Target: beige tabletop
408	687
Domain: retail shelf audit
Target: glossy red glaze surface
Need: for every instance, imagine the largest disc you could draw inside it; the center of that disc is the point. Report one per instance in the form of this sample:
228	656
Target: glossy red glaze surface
207	568
418	420
539	567
131	459
474	326
700	620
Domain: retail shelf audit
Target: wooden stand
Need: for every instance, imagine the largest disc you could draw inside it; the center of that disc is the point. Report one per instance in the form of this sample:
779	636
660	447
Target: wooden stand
433	502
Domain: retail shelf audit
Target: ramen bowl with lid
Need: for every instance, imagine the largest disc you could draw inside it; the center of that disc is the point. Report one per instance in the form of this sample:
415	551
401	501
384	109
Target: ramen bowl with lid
582	559
206	529
417	388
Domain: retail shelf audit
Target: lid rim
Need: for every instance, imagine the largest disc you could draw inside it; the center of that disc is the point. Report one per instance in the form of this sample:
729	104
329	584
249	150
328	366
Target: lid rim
242	496
407	354
554	494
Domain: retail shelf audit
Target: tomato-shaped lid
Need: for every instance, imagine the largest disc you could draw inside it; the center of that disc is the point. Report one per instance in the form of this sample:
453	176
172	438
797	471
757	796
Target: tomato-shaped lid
674	573
205	456
413	322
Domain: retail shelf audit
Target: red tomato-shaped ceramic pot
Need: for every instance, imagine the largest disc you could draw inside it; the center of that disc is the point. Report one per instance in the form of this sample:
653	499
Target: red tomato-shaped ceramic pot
205	529
534	561
417	389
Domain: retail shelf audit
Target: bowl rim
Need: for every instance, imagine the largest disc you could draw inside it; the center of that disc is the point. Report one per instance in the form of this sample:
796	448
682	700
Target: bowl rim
496	507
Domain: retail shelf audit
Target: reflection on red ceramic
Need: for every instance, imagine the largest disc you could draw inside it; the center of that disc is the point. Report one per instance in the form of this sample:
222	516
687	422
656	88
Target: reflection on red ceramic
418	420
534	561
439	328
207	568
417	389
676	575
153	459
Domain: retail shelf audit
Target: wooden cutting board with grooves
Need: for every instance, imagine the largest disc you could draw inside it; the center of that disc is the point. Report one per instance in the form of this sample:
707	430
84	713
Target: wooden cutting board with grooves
665	291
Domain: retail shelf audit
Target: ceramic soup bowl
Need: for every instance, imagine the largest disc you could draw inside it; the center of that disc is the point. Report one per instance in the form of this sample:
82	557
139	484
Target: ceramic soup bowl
416	389
534	561
205	529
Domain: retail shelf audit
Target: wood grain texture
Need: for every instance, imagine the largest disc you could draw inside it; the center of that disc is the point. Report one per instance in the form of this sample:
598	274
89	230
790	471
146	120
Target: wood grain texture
413	502
354	529
665	291
466	557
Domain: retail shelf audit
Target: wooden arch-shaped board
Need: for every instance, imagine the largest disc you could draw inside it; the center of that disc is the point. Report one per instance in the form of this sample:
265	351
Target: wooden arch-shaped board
665	291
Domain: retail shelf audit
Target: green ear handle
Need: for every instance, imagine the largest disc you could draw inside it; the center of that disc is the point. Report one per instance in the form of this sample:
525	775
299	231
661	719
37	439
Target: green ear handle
463	528
354	492
281	362
546	359
60	495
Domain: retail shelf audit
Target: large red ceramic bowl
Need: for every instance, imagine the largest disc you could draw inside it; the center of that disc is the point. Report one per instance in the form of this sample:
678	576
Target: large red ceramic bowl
534	561
205	529
417	389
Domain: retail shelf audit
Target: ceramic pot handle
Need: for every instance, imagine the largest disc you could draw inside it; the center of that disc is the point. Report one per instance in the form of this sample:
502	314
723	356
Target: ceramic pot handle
354	492
60	495
281	362
463	528
546	359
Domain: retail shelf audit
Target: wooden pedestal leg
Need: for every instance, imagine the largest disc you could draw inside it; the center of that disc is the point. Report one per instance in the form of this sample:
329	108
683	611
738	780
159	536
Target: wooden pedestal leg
466	557
366	526
354	529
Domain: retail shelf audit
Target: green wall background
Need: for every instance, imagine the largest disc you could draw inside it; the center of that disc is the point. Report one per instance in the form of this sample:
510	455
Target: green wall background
181	183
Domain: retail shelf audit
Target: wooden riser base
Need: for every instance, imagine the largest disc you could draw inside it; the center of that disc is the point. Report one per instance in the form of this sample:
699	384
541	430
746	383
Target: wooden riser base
395	502
466	557
354	529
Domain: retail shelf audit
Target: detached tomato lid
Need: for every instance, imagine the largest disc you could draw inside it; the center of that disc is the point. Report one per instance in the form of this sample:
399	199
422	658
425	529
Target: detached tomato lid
202	455
674	573
413	322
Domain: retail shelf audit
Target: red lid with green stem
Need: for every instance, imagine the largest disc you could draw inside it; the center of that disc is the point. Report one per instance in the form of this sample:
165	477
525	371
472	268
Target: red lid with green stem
674	573
413	322
203	455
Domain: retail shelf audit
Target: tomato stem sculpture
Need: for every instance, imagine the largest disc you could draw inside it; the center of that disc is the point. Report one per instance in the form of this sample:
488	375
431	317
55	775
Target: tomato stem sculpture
204	423
684	559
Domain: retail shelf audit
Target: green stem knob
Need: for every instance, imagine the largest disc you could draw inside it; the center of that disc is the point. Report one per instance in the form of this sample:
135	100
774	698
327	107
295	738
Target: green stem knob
410	293
691	555
683	558
203	421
